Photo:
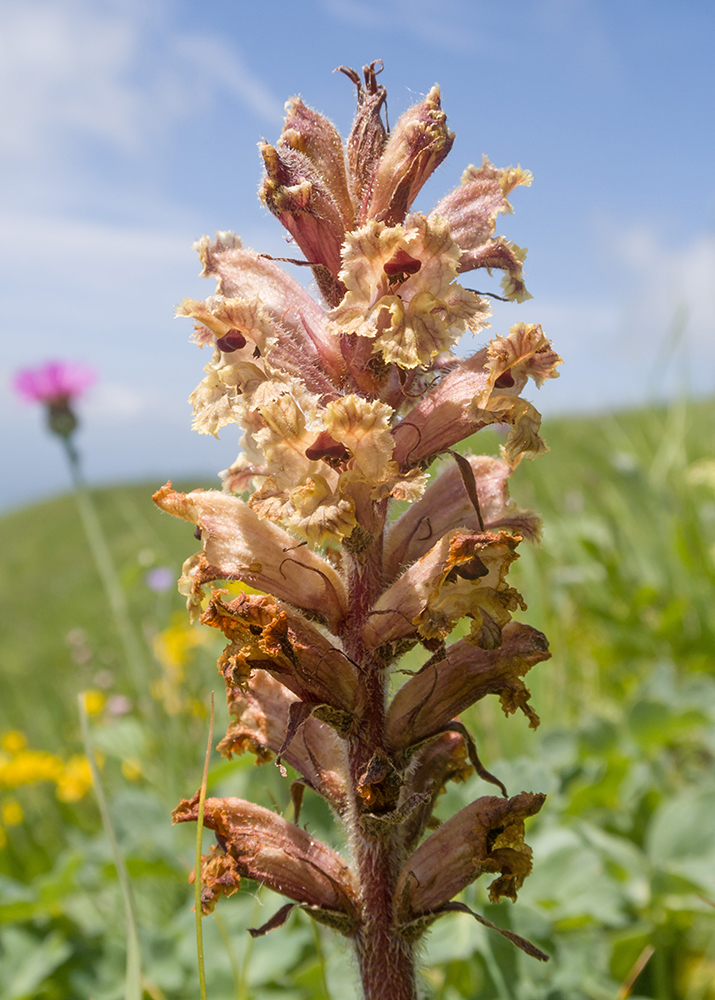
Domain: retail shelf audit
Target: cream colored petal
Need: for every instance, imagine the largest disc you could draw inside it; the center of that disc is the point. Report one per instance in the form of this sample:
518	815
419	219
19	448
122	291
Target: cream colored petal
222	396
401	291
365	253
240	546
524	353
524	421
313	509
222	315
284	437
321	513
216	401
363	427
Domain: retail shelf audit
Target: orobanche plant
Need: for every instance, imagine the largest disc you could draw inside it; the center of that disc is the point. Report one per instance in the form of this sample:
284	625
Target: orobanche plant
345	405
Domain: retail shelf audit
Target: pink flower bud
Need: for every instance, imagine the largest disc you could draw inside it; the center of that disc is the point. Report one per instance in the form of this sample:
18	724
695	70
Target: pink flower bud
417	145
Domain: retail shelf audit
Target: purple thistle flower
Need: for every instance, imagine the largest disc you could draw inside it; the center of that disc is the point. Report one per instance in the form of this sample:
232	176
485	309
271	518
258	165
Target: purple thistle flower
54	382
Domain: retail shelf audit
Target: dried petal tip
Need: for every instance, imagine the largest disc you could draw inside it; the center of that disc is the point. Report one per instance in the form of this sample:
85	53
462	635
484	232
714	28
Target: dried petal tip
266	848
368	134
485	837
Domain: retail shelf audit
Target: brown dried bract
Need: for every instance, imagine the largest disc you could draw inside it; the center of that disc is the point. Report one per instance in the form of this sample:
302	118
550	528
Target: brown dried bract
270	850
485	837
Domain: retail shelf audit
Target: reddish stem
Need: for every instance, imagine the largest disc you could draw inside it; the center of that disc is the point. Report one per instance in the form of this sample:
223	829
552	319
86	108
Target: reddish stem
386	960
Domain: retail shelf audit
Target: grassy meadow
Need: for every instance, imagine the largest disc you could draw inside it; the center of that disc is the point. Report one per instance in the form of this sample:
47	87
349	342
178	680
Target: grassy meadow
623	584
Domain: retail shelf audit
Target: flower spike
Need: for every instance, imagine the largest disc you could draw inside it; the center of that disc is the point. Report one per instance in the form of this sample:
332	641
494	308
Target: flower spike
343	405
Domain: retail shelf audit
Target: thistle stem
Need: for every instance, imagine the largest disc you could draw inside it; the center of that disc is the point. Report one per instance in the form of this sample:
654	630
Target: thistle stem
131	645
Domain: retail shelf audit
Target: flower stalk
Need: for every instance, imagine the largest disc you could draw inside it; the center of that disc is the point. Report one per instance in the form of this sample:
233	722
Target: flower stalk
346	406
57	386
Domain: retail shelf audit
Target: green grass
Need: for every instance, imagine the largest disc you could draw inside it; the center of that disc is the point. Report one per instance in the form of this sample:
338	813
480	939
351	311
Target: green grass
56	632
624	586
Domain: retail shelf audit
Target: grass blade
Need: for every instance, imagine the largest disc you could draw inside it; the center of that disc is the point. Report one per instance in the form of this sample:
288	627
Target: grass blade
133	984
197	878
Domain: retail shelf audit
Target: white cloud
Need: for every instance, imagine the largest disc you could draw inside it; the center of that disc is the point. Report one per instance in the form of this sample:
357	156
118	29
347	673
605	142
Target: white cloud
573	27
445	28
116	72
115	403
670	309
217	65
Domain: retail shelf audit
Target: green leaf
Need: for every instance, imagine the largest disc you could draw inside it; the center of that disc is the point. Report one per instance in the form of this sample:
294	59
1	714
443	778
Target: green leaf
680	838
26	961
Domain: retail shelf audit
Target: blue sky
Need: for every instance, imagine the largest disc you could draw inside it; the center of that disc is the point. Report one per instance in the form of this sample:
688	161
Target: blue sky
128	129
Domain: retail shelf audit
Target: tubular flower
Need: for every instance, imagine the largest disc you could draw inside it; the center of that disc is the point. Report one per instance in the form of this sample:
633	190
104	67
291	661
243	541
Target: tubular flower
343	405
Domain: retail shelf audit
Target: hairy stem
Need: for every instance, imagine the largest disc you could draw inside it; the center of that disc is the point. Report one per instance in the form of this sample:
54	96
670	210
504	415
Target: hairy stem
385	959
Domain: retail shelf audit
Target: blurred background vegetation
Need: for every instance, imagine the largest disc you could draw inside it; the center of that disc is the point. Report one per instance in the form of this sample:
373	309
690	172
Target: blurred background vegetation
623	584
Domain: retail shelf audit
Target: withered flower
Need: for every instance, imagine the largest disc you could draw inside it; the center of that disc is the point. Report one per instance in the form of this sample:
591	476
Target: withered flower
344	405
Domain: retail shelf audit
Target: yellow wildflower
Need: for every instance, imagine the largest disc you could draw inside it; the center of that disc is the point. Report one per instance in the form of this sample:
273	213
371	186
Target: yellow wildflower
75	780
93	701
28	767
12	812
173	645
131	769
172	648
13	741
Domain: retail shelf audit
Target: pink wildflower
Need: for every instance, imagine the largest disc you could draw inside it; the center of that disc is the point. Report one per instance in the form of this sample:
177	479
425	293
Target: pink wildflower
56	384
53	382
